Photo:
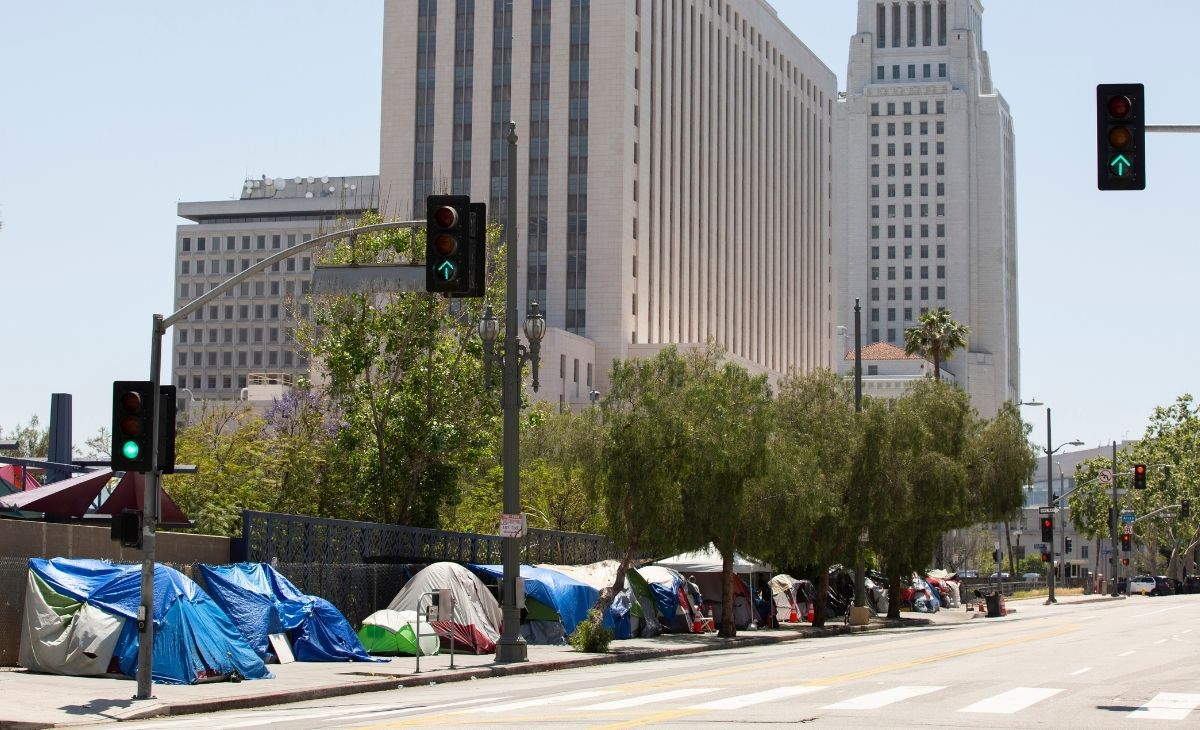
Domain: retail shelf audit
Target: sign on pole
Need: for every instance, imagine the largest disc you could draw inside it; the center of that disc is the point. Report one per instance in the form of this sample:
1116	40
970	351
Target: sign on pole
1106	476
1128	516
1047	510
1129	528
513	525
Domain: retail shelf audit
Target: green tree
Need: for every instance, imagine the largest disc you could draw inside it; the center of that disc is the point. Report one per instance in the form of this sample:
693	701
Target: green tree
814	498
560	469
33	441
726	416
404	372
936	337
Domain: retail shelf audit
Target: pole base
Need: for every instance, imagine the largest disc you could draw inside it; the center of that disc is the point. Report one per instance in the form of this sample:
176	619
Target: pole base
512	651
1050	602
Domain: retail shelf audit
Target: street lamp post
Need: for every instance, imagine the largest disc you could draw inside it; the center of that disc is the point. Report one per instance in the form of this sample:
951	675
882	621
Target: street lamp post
1050	450
511	647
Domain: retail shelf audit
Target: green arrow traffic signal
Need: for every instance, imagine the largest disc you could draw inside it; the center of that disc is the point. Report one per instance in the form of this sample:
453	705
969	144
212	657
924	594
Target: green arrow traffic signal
1120	165
446	270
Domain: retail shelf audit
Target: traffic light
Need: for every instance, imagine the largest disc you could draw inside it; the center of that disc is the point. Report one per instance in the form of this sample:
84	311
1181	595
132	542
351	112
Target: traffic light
167	405
1047	528
447	244
1139	476
1120	137
1185	508
127	528
1124	561
1045	557
132	425
1126	542
476	252
1067	545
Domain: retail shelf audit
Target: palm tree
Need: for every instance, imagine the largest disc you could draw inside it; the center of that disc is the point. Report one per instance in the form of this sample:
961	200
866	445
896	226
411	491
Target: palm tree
936	338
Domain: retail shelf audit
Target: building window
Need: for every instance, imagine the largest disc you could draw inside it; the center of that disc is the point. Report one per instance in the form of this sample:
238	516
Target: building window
941	70
878	77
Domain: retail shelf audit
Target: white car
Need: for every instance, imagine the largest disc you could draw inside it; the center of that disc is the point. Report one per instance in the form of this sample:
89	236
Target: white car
1143	585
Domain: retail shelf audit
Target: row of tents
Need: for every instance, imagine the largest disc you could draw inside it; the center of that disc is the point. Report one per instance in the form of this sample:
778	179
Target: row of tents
81	616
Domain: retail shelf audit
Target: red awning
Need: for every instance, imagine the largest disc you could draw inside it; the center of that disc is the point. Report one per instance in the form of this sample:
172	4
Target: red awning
131	494
11	473
68	498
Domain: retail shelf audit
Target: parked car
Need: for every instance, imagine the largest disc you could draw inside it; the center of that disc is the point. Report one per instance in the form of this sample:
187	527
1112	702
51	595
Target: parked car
1002	576
1142	585
1191	584
968	574
1163	586
1031	576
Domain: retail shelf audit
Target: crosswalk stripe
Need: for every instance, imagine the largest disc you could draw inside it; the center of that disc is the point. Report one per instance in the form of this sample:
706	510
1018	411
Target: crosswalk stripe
569	697
1013	700
1167	706
875	700
737	703
360	715
649	699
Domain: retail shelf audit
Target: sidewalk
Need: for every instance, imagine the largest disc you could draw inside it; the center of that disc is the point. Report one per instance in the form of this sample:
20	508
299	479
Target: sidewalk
49	700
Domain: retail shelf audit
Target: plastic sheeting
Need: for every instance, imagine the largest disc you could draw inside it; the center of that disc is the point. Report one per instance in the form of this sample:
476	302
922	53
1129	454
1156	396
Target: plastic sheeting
569	598
261	602
670	597
193	639
632	610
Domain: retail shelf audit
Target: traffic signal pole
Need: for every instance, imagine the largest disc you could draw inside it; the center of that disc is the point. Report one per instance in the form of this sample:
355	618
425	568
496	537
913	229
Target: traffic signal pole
159	327
1116	560
1050	503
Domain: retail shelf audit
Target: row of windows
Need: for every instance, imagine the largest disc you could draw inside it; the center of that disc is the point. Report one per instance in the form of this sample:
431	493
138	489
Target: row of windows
908	294
922	169
260	290
893	313
907	147
907	108
908	210
213	243
272	334
908	251
922	229
261	311
244	358
918	22
908	272
926	71
213	266
922	127
209	382
923	189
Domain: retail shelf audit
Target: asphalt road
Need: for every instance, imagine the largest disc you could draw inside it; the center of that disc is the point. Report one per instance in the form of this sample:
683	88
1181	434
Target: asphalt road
1078	666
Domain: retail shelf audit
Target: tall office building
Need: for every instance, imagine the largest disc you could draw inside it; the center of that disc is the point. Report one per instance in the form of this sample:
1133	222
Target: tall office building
246	335
674	171
925	197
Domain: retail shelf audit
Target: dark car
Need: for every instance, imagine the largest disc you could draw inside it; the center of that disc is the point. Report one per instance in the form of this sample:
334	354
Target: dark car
1191	584
1162	586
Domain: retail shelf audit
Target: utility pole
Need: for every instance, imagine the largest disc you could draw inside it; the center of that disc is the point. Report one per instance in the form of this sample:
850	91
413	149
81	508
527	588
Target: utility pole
1050	504
1113	523
860	578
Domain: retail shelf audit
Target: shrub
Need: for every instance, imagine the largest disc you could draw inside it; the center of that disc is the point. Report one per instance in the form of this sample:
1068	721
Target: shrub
590	635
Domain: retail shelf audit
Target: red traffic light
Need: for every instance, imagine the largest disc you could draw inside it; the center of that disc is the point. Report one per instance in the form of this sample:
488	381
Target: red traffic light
131	401
445	216
1119	106
1047	523
1140	470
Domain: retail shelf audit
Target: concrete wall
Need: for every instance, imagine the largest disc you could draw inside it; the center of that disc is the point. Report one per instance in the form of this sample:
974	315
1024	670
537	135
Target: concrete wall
21	540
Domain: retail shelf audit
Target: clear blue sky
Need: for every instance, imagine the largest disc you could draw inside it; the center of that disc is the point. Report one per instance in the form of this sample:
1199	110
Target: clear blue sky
113	113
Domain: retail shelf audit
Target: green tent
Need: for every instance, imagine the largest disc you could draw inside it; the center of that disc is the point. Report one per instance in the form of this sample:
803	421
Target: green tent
395	632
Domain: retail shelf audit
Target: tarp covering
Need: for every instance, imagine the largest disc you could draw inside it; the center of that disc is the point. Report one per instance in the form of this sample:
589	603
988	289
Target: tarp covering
708	560
261	602
632	610
670	591
476	623
130	493
569	598
68	498
81	619
395	632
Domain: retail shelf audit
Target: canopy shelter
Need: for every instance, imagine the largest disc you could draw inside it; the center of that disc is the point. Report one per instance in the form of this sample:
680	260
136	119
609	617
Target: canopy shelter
130	493
68	498
708	560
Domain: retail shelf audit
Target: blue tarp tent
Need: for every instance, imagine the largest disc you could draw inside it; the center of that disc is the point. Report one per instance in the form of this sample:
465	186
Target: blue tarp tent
261	602
81	619
569	598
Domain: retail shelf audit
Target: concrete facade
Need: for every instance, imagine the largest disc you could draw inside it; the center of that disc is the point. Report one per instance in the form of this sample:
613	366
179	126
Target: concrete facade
250	330
674	170
925	195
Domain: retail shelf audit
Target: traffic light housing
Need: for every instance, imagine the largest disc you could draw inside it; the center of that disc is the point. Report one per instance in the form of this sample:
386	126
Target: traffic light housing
1047	528
1120	137
476	251
448	244
1045	557
167	405
127	528
132	425
1124	561
1185	508
1139	476
1067	545
1126	542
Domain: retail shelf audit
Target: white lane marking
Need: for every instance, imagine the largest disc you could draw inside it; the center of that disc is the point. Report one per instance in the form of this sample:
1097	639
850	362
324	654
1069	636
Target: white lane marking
737	703
1161	610
1014	700
415	708
1188	631
1081	671
648	699
1167	706
554	699
1161	641
1127	653
875	700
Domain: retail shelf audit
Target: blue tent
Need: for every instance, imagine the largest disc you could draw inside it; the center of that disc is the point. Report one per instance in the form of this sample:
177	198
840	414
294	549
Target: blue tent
569	598
81	618
261	602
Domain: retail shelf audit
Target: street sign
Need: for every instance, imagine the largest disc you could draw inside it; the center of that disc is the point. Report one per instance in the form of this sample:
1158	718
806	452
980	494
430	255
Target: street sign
1106	476
369	278
513	525
1047	510
1129	528
1041	547
1128	517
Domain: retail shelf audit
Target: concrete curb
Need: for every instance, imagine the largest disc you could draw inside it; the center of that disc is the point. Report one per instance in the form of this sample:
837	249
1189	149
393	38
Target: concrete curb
385	683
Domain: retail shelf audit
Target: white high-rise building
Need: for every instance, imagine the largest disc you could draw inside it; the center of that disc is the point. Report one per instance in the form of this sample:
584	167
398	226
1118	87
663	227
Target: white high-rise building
675	164
925	194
